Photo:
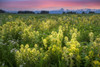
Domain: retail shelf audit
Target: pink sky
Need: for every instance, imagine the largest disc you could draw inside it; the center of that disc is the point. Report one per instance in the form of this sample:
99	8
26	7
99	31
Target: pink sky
48	4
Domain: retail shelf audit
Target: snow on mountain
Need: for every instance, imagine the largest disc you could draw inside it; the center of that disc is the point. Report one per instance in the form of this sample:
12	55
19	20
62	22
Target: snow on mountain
37	12
57	11
97	11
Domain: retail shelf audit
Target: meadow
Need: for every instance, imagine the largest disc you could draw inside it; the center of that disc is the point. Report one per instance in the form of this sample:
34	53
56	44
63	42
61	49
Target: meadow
49	40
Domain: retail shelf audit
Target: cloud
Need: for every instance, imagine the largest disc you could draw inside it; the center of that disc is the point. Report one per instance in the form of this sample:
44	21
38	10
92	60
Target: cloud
12	0
53	0
30	4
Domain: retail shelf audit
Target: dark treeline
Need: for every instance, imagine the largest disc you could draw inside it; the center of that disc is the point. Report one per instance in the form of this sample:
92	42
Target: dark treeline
91	12
2	11
25	12
43	12
71	12
31	12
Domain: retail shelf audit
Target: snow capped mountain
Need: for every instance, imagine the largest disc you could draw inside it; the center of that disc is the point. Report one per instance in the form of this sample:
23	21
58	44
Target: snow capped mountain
37	12
66	11
97	11
57	11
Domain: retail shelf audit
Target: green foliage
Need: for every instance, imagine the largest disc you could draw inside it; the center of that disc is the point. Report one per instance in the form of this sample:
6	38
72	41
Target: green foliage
68	40
27	56
12	31
30	36
53	55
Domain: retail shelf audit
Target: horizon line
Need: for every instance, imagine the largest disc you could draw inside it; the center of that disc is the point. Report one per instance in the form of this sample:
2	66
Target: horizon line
45	9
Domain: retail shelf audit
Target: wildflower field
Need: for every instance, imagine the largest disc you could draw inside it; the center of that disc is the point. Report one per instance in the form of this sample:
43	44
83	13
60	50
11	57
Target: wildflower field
44	40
